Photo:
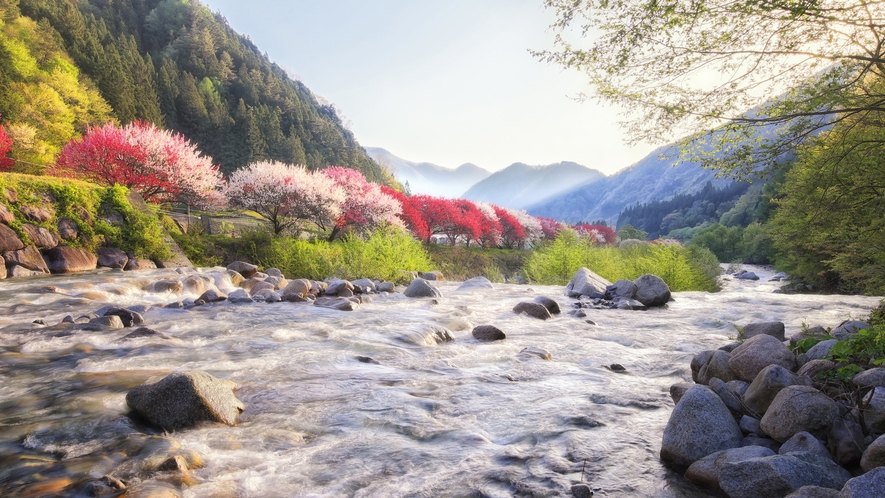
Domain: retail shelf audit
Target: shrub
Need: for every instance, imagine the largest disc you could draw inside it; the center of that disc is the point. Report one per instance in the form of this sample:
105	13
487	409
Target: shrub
683	269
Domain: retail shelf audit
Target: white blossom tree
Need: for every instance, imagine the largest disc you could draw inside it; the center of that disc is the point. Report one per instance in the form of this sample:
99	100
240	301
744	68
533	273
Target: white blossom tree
285	195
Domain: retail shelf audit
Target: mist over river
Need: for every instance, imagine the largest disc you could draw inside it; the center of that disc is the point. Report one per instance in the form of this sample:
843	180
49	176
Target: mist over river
463	418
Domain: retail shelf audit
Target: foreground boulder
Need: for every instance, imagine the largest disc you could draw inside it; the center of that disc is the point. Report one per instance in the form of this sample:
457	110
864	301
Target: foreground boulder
182	400
767	384
796	409
651	290
757	353
699	425
778	475
586	283
869	485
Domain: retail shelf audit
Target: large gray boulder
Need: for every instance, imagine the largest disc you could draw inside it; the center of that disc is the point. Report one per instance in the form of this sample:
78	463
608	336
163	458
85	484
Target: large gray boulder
698	426
774	329
848	328
716	367
767	384
39	236
651	290
797	409
28	258
622	289
535	310
804	442
66	259
476	283
9	240
778	475
706	470
488	333
243	268
549	303
874	377
748	359
184	399
111	257
869	485
421	288
586	283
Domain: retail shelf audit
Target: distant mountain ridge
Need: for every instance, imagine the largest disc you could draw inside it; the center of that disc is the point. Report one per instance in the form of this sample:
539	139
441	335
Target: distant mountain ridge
520	185
429	178
655	177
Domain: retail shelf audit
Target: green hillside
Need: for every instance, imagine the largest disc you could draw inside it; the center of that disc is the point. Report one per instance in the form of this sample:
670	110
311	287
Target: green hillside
171	62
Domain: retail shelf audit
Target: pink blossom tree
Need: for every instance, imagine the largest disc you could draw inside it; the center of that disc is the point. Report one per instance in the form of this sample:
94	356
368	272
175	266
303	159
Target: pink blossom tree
490	226
365	205
285	195
161	165
410	215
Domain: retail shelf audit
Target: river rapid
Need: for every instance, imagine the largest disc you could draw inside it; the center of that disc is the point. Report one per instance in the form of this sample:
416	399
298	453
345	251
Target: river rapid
463	418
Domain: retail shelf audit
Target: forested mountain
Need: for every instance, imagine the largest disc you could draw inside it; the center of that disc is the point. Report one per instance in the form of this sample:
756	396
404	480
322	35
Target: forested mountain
429	178
708	205
653	178
520	185
174	63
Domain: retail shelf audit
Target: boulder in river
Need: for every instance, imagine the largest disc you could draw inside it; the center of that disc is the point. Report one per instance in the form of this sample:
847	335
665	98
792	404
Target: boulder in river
778	475
184	399
111	257
651	290
534	310
422	288
243	268
476	283
699	425
549	303
336	303
427	335
622	289
488	333
586	283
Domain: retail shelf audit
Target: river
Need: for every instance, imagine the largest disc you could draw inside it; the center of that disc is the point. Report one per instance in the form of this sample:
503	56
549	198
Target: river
462	418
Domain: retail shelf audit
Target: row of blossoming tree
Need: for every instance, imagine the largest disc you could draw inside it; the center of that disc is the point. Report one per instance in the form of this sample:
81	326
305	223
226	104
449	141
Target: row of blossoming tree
165	167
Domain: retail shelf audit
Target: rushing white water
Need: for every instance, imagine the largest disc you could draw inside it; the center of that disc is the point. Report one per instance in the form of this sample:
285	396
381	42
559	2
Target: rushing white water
463	418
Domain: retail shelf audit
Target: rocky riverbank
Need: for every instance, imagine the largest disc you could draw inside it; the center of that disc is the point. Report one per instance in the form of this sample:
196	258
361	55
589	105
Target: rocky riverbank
761	421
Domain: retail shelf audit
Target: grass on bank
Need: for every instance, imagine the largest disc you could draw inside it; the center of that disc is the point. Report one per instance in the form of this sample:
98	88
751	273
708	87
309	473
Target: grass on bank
103	215
682	268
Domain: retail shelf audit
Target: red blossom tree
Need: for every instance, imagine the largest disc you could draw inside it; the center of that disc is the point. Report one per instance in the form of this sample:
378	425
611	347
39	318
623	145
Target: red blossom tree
409	214
490	228
439	213
512	232
467	223
5	146
161	165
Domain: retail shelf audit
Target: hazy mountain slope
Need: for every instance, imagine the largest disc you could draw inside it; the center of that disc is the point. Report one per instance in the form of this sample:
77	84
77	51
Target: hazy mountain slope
520	185
653	177
428	178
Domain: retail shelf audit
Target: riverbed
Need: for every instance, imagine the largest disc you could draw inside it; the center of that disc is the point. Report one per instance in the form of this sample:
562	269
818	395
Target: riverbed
461	418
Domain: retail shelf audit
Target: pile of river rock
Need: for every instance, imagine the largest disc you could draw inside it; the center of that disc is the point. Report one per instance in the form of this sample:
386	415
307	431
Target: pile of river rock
756	424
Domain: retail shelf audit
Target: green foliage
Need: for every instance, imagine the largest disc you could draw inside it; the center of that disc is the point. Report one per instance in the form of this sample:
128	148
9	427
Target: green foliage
463	263
385	255
628	231
866	348
44	100
683	269
750	244
828	227
93	209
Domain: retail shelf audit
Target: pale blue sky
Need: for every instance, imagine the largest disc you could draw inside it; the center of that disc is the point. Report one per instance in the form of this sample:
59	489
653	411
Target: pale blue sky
446	82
